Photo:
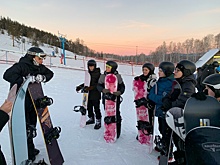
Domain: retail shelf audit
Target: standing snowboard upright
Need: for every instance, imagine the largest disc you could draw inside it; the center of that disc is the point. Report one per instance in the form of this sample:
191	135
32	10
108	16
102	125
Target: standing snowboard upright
110	134
140	92
82	108
50	133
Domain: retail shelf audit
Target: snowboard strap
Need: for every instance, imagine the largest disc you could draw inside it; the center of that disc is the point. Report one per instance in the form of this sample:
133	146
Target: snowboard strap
145	126
80	108
109	119
43	102
52	134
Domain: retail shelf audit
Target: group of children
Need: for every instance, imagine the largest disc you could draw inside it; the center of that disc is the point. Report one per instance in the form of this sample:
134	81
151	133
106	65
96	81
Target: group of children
172	88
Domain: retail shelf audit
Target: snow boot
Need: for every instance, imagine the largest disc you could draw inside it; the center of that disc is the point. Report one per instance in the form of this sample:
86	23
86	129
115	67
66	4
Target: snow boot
90	121
118	130
36	151
97	124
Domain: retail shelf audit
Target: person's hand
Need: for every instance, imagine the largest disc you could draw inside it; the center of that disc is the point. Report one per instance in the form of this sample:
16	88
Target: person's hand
88	88
40	78
136	78
105	91
167	104
118	93
199	96
6	106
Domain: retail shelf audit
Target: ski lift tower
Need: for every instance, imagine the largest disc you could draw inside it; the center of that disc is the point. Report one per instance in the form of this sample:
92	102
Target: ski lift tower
62	39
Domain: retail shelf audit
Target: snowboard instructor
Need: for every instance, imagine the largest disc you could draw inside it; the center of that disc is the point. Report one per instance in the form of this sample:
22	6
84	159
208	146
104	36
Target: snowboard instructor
4	110
30	64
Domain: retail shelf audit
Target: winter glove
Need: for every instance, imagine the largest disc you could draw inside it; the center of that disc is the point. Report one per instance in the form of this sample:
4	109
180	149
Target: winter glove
136	78
86	88
118	93
167	104
199	96
78	88
105	91
40	78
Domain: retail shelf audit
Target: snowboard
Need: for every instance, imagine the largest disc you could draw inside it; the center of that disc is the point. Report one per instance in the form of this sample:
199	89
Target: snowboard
140	91
176	124
83	108
202	146
201	113
50	133
17	124
110	134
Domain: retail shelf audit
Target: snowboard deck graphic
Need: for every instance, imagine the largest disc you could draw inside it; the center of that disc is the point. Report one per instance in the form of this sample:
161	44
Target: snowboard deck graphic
176	124
140	91
17	124
203	146
54	154
110	134
201	113
83	108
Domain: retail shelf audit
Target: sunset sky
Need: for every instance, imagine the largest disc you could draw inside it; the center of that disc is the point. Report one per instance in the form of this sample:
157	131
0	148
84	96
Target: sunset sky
119	26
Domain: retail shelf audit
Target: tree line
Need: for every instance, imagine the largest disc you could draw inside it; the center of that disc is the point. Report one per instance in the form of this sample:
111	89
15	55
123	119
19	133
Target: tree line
191	49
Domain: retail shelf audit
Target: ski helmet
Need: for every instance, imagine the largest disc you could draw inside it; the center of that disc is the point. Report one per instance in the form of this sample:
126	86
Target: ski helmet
149	66
187	67
91	63
113	64
35	51
167	68
215	64
213	82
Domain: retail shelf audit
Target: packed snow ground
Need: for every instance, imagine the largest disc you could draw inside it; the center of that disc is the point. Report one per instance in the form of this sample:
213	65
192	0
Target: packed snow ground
80	146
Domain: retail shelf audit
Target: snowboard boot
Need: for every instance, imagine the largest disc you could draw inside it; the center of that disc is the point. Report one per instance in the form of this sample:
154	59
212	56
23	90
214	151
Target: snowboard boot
90	121
36	151
97	124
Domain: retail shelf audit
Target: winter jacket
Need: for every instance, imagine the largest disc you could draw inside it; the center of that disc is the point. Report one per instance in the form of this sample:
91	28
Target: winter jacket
19	71
151	80
94	94
162	87
182	89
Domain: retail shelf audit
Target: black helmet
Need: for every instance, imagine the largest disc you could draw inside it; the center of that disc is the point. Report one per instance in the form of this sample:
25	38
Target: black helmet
91	63
35	51
167	68
113	64
149	66
213	82
215	64
187	67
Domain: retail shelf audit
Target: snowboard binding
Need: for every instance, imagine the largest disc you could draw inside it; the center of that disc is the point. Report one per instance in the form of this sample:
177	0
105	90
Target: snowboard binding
80	108
109	119
159	145
31	131
146	127
109	96
140	102
43	102
52	134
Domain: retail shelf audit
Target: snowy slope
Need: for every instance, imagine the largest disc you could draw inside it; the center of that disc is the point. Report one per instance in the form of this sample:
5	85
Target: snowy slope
82	146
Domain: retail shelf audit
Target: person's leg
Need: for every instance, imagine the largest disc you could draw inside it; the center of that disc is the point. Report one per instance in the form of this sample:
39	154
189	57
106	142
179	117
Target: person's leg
2	158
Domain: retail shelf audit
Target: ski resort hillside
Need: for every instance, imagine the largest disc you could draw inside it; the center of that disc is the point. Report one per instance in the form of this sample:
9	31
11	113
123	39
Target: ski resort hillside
79	146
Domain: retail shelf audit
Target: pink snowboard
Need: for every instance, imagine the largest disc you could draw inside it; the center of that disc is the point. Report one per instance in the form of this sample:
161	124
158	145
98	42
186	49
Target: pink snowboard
111	83
140	91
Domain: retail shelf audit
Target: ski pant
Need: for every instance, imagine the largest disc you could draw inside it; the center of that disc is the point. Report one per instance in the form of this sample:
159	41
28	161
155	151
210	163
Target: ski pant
166	131
96	105
2	158
179	154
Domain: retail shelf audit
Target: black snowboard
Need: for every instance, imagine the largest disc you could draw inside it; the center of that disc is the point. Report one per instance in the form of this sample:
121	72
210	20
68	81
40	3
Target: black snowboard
202	146
53	150
201	113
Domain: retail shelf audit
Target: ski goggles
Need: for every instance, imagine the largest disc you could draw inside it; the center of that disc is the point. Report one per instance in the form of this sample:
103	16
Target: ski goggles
108	66
40	55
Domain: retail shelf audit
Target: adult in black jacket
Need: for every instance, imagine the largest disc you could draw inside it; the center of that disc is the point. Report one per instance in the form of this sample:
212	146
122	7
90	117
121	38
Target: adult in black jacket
4	110
111	67
94	95
30	64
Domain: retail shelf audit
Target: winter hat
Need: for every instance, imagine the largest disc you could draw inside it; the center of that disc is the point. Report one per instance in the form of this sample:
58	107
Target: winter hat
35	51
167	68
150	67
187	67
213	82
113	65
91	63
